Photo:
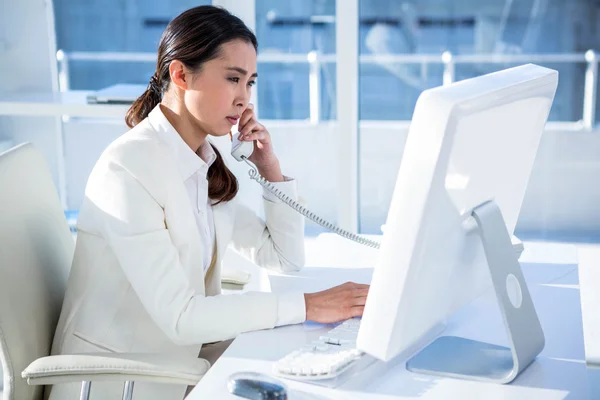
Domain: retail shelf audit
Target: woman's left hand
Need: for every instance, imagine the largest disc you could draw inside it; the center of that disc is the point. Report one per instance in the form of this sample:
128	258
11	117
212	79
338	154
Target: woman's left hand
263	156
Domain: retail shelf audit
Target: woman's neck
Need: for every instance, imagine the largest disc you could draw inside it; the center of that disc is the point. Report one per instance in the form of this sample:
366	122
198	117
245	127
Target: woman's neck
183	123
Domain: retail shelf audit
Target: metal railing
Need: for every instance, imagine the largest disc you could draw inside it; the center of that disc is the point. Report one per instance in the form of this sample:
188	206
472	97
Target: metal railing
316	60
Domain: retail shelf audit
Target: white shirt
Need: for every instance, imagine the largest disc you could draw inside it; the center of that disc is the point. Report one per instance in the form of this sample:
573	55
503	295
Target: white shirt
291	306
197	188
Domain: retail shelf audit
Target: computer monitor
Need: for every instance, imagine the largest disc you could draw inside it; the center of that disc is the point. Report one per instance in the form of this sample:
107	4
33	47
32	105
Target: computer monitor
466	164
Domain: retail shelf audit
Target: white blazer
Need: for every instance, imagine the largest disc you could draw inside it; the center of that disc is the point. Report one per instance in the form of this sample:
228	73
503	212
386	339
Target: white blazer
137	283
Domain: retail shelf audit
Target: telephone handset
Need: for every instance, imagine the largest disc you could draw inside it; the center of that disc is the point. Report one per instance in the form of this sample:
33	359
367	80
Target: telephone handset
241	150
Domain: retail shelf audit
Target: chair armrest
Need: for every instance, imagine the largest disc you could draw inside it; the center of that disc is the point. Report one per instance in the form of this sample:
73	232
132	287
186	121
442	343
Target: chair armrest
159	368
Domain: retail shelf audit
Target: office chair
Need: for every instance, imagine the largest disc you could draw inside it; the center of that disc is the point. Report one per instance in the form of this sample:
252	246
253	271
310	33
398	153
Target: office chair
36	250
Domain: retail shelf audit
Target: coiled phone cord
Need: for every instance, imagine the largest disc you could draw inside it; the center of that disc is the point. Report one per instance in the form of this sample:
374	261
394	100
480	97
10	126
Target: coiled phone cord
253	172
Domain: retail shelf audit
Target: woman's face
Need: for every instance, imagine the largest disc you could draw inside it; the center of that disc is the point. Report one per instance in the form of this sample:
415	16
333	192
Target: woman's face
220	91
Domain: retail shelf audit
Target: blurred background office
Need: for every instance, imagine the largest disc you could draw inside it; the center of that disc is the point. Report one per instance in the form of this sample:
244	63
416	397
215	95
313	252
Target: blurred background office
338	82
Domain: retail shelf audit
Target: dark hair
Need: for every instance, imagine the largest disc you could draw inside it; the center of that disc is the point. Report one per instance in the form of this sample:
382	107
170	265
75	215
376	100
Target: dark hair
194	37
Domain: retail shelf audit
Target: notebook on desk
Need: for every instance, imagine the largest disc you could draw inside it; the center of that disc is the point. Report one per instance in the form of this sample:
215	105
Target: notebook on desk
121	93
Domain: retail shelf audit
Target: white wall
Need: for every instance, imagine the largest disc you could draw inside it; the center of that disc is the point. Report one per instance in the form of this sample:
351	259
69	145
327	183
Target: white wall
28	65
562	197
27	47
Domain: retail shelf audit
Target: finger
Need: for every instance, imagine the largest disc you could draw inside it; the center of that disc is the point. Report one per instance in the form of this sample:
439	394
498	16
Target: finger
361	292
260	135
359	301
246	124
354	297
357	311
246	116
250	106
248	128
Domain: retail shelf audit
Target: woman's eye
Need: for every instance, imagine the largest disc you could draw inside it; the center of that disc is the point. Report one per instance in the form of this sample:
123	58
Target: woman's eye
251	83
236	80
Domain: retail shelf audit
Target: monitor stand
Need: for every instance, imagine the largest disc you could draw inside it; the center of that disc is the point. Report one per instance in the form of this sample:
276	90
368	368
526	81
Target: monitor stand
459	357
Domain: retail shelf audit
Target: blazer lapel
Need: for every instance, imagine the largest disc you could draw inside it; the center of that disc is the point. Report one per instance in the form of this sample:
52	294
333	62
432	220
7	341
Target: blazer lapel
223	220
186	234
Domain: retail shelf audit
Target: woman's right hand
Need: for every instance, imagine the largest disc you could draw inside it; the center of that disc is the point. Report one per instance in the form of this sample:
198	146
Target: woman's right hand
336	304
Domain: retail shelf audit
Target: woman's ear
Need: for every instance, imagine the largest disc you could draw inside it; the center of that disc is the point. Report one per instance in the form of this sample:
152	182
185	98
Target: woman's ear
180	75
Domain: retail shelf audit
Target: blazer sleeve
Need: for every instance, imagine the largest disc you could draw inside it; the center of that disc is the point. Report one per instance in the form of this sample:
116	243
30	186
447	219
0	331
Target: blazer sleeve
276	243
132	222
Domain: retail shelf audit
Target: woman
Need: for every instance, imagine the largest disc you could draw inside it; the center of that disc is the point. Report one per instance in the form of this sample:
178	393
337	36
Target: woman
160	211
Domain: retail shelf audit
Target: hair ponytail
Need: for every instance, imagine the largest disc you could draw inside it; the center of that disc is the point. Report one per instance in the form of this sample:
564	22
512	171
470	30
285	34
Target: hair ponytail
140	109
222	183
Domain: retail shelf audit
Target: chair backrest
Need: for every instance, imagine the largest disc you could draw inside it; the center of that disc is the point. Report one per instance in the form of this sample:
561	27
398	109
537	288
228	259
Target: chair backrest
36	250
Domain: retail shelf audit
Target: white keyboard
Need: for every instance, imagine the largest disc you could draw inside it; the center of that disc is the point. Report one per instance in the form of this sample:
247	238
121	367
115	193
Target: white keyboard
326	358
344	333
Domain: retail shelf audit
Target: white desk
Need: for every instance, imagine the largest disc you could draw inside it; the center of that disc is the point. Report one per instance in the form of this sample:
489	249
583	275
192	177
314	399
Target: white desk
559	372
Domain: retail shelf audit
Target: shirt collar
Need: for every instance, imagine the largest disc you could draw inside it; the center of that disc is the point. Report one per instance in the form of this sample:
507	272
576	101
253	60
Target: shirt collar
188	162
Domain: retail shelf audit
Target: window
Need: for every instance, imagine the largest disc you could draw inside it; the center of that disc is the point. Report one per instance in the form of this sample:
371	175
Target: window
100	38
401	45
295	83
287	32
